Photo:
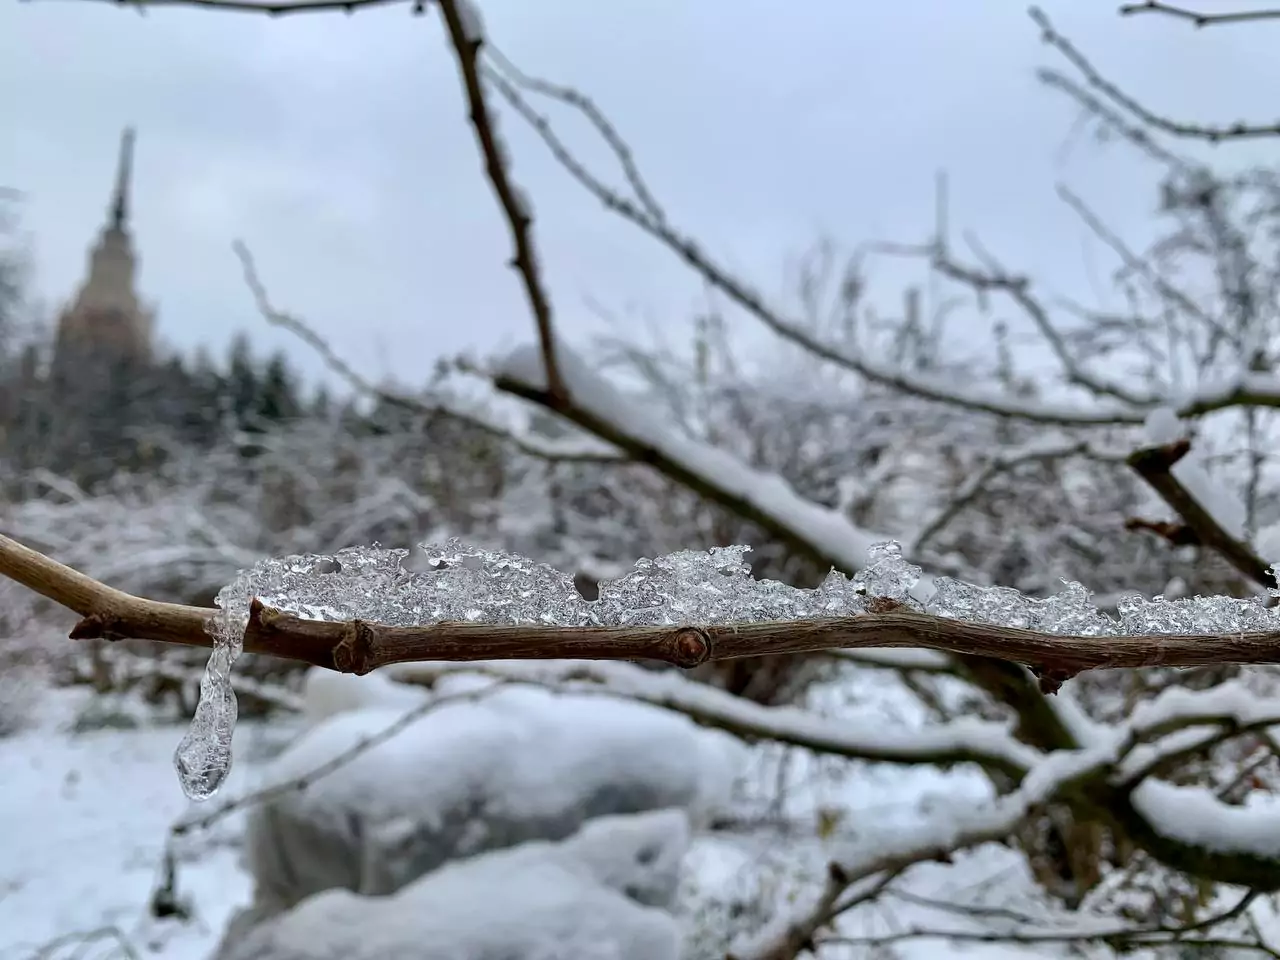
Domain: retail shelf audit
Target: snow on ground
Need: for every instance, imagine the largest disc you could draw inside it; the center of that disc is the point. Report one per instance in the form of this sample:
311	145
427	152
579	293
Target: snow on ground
84	817
83	822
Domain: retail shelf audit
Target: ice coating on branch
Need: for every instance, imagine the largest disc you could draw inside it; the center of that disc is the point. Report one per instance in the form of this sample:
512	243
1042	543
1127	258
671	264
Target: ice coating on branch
887	574
460	582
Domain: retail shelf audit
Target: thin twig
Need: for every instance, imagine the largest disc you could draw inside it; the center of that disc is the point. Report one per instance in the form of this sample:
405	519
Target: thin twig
551	452
1195	17
515	207
271	9
1095	79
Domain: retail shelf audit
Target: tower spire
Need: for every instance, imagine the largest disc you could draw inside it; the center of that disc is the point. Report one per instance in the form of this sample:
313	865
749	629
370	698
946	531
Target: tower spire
120	199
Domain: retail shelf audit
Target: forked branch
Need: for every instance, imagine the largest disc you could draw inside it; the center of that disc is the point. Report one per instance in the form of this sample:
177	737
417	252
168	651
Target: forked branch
1154	465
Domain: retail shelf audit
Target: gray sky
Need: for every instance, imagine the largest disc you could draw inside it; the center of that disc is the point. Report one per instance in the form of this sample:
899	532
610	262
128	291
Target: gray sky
336	146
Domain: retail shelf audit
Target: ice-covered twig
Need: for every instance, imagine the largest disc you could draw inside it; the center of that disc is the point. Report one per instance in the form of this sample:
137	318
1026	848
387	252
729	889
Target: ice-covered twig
277	8
355	645
1148	117
1112	404
1036	451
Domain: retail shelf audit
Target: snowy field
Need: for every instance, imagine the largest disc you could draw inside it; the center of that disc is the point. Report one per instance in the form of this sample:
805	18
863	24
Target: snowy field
85	817
84	822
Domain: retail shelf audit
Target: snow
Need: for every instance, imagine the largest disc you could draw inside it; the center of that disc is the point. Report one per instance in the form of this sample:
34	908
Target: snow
486	769
1231	701
1268	543
593	896
853	734
1192	814
86	816
326	693
526	746
472	20
83	824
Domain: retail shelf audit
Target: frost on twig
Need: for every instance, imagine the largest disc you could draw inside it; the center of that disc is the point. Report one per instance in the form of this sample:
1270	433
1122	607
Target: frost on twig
464	584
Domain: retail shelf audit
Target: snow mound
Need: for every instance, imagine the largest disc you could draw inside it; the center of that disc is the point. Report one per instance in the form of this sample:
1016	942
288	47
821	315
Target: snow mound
518	763
594	896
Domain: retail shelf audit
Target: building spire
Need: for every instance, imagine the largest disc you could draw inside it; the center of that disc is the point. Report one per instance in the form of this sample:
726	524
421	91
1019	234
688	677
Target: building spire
106	316
120	199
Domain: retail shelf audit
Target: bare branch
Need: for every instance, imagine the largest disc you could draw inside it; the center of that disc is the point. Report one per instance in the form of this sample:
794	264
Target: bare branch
272	9
1255	390
1136	264
595	116
515	207
83	938
1195	17
980	480
1018	288
1154	464
790	933
1113	120
1095	79
551	452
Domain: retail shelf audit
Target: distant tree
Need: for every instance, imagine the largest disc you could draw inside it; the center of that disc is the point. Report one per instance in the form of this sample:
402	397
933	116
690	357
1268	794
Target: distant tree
321	405
241	381
278	398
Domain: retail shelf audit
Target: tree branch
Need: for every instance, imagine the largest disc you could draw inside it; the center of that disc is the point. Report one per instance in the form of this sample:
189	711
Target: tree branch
1154	465
550	451
359	646
1195	17
1095	79
466	40
275	9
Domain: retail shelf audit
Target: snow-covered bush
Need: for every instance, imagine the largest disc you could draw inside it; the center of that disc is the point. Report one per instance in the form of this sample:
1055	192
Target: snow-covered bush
490	771
326	694
602	892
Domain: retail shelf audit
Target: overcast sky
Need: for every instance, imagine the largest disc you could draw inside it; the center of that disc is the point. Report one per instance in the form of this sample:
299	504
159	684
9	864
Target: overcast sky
337	147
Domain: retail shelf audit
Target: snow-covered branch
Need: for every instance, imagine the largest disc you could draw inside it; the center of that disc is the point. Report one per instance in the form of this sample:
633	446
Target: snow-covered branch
968	740
966	827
